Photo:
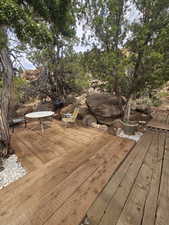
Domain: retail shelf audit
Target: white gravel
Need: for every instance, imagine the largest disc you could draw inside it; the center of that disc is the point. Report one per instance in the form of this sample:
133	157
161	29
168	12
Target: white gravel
135	137
85	222
13	170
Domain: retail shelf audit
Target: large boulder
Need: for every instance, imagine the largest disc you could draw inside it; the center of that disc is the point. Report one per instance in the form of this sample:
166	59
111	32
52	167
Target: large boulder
143	108
83	111
88	120
70	99
138	116
104	107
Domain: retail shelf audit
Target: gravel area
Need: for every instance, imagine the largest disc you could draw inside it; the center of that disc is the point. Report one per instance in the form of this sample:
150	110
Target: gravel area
85	221
135	137
12	171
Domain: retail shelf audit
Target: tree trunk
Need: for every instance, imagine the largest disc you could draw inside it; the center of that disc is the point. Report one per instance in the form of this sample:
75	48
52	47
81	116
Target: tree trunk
127	110
7	76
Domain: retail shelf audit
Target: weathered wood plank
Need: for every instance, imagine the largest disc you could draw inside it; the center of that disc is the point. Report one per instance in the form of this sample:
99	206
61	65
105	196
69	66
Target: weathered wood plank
72	134
151	201
120	196
160	120
25	156
69	213
162	216
40	177
133	210
97	210
158	125
43	153
61	191
58	195
91	131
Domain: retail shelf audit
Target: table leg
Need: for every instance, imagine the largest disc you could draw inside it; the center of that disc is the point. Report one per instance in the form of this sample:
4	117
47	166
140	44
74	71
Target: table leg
41	125
25	121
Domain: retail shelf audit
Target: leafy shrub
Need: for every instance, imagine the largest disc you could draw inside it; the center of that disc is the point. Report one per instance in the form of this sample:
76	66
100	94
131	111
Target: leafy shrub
79	82
18	90
163	94
156	100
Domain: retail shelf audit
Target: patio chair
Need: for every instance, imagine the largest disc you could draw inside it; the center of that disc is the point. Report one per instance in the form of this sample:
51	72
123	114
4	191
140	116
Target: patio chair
15	122
72	118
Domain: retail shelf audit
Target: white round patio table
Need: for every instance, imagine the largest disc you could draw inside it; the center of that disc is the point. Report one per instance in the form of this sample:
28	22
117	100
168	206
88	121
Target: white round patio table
40	116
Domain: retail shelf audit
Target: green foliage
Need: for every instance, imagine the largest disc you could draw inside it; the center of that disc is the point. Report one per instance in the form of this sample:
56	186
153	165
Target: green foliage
163	94
131	57
30	20
3	39
1	84
75	75
156	101
79	81
18	90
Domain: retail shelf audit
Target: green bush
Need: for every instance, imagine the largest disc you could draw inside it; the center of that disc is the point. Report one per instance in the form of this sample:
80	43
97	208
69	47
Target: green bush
156	101
163	94
18	90
79	82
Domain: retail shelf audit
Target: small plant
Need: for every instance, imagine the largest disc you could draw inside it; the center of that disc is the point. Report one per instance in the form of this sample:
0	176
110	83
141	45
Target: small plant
163	94
18	90
156	101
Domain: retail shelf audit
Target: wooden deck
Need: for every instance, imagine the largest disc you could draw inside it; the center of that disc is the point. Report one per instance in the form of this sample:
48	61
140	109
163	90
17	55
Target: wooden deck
67	169
160	121
138	193
79	172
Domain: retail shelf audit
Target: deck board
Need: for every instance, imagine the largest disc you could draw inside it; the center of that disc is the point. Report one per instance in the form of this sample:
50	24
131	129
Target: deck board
152	198
69	213
120	193
119	186
133	210
85	172
56	180
163	198
138	192
160	121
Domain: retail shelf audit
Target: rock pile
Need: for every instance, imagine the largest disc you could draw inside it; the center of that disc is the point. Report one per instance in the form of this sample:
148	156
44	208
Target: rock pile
12	171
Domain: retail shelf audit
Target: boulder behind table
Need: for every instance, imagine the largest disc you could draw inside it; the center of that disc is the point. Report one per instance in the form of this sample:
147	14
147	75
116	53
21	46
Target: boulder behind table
104	107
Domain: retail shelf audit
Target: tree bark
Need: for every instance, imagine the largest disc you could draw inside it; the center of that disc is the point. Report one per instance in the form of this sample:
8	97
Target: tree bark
7	76
127	110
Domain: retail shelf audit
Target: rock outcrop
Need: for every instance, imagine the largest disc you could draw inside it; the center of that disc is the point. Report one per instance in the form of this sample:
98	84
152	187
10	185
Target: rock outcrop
104	107
89	120
31	74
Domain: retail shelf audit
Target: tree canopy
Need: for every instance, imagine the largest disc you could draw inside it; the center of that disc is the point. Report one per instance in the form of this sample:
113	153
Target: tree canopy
32	21
36	23
130	54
